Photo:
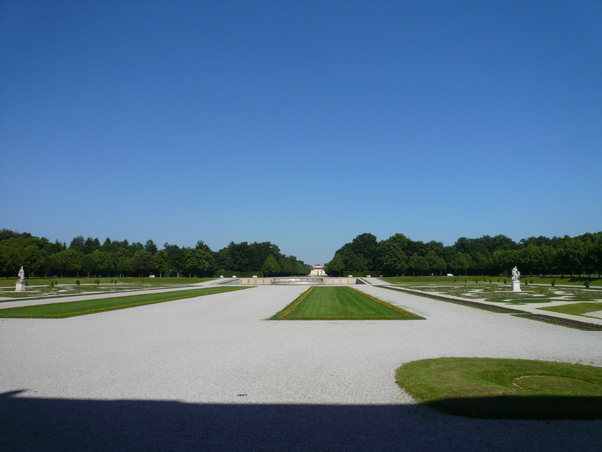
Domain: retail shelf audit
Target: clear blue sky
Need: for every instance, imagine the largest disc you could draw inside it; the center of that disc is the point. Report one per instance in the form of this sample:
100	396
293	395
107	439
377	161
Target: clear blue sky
300	123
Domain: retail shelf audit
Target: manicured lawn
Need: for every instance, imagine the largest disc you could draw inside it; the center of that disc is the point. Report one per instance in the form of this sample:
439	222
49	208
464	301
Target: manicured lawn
340	303
74	308
505	388
575	308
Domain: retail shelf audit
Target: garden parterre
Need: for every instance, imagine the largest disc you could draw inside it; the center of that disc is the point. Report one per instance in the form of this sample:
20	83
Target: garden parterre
222	372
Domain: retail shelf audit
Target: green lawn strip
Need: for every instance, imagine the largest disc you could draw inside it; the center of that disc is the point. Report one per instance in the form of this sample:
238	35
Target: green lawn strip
340	303
575	308
75	308
505	388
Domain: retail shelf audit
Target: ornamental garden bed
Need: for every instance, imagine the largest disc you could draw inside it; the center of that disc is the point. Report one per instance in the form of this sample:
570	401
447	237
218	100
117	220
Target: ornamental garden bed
442	296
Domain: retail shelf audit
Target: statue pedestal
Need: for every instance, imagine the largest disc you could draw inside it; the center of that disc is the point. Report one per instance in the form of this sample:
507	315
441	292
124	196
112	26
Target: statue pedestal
20	287
516	286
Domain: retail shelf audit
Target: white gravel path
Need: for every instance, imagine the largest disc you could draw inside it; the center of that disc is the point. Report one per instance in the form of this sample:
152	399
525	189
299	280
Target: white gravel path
210	373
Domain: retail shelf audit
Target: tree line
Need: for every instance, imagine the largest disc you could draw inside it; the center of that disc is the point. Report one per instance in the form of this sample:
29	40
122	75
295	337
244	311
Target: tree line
398	255
114	258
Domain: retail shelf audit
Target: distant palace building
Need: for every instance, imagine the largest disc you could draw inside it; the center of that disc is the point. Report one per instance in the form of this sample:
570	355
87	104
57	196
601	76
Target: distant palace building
317	270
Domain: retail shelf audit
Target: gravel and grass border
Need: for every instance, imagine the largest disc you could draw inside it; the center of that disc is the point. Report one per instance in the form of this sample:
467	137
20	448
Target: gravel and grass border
501	309
96	305
328	311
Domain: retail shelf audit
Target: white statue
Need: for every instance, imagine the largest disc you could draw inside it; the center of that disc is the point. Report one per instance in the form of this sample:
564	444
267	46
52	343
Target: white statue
20	286
515	280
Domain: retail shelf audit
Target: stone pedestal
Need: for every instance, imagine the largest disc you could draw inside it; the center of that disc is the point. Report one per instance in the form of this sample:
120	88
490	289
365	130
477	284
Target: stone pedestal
516	286
20	287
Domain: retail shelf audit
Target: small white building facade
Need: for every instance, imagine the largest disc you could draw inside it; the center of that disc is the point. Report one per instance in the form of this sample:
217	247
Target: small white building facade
317	270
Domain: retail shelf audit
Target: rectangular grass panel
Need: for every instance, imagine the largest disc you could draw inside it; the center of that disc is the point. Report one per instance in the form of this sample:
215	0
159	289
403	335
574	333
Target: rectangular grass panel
341	303
74	308
575	308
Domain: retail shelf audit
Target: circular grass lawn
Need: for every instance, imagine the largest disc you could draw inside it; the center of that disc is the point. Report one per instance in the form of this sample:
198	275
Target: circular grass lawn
505	388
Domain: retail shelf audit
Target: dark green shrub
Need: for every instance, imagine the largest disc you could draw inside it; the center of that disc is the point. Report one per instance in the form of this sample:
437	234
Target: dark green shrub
77	282
553	282
586	284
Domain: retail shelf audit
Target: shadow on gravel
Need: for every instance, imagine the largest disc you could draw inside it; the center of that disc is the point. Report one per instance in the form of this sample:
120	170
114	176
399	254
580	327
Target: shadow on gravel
35	424
525	407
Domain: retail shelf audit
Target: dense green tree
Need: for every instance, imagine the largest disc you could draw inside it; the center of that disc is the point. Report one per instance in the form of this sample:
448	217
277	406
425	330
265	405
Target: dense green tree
418	265
480	262
177	261
105	262
572	255
197	261
464	245
366	246
151	247
435	263
336	266
200	245
123	261
395	260
39	256
91	245
504	260
136	246
530	258
460	262
67	262
418	248
142	262
90	263
78	243
355	262
107	245
548	259
434	247
270	266
398	239
161	262
21	251
596	255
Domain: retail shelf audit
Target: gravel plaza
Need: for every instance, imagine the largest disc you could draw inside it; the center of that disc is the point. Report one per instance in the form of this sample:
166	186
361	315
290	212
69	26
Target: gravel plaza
210	373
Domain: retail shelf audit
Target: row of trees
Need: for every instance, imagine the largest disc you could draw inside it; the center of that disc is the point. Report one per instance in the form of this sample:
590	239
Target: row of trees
40	257
399	255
